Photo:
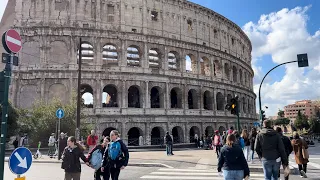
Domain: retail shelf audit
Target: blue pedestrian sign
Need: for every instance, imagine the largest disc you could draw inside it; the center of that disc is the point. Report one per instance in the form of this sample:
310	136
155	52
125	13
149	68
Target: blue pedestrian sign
60	113
20	161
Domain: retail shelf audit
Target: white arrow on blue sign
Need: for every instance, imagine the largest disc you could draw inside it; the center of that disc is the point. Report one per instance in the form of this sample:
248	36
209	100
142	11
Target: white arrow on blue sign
20	161
60	113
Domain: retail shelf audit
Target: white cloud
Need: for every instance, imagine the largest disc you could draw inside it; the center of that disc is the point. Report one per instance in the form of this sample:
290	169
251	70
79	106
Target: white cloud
283	35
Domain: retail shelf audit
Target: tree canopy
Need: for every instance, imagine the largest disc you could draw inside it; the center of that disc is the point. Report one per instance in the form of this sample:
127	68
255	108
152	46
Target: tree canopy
301	121
282	121
280	113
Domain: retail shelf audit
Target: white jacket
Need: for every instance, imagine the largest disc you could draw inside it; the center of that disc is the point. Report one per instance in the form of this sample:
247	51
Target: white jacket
52	140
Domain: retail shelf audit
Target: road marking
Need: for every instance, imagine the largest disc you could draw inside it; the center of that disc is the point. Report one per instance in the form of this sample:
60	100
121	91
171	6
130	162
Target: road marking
314	165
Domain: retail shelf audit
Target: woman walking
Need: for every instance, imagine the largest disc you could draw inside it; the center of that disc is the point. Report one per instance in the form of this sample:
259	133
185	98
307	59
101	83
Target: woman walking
232	161
71	159
217	143
252	139
116	157
246	149
300	153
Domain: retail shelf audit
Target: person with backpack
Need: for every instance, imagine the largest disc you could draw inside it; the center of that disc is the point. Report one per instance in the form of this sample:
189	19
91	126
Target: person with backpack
288	148
169	144
92	140
116	156
95	158
217	143
239	140
224	137
71	159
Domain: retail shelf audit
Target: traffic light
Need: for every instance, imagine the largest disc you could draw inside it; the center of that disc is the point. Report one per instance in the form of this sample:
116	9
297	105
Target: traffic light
303	60
232	106
263	116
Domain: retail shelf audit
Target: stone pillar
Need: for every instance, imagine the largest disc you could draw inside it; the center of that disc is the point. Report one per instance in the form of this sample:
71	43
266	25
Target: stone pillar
144	60
98	96
124	134
185	98
148	134
98	53
42	88
123	54
124	91
225	93
214	103
147	96
164	60
167	100
200	99
187	138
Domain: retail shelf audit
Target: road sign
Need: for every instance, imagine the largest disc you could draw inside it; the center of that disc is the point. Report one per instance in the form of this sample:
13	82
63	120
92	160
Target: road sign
20	161
11	41
60	113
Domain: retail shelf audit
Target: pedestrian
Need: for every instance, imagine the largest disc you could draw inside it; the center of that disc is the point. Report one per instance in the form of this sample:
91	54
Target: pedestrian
239	139
196	140
246	149
288	148
301	154
15	142
252	139
270	150
230	131
217	142
71	159
224	137
116	156
51	145
92	140
169	144
95	157
232	161
62	144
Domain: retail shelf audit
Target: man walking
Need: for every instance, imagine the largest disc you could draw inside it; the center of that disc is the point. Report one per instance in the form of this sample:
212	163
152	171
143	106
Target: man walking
271	151
169	143
62	144
288	148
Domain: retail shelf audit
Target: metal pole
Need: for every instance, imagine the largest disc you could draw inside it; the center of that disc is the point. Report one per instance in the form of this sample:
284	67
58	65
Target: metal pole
77	133
260	108
58	135
5	104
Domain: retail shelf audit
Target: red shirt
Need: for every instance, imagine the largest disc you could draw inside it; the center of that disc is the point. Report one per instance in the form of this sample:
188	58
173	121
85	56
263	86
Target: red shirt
92	140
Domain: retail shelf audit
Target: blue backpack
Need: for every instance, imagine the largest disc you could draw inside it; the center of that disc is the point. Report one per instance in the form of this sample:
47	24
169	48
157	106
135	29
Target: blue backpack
114	150
96	159
241	143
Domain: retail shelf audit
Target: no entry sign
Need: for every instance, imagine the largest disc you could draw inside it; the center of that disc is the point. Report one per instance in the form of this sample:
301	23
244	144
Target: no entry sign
11	41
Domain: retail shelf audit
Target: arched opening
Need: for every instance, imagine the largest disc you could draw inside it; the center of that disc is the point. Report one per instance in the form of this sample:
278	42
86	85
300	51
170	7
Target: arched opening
175	97
245	79
154	59
133	136
157	135
107	131
221	129
173	62
109	54
110	96
229	97
87	52
133	56
205	66
191	64
192	99
244	105
220	101
177	133
156	98
235	74
216	68
227	71
240	77
87	95
193	131
209	131
207	100
134	97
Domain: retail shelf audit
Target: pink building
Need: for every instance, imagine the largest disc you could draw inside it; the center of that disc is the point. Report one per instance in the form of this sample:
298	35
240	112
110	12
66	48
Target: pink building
306	107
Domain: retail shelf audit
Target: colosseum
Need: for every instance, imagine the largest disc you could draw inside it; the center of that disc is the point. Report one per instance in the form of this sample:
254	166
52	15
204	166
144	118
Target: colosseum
150	66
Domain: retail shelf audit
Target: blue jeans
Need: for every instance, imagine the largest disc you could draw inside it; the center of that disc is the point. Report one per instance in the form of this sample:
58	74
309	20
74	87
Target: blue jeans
169	149
271	169
233	174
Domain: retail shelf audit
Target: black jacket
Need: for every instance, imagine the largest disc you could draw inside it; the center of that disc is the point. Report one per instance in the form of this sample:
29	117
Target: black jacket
287	144
62	143
232	158
118	163
269	146
252	139
168	139
71	160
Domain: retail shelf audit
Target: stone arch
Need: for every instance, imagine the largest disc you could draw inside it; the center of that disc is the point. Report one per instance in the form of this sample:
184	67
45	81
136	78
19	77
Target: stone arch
220	101
133	56
134	97
30	53
87	51
191	64
173	60
87	95
156	97
58	91
235	74
241	76
177	133
176	98
110	96
107	131
193	131
209	131
244	105
110	54
221	129
229	97
207	100
217	68
227	71
157	135
28	96
205	66
154	58
59	53
193	99
133	136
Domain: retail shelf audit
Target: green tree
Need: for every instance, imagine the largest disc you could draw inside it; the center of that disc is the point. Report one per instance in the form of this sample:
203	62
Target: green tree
314	125
301	121
282	122
13	116
280	113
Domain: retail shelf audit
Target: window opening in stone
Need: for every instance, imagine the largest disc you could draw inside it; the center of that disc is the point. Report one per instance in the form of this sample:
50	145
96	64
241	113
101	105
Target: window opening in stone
154	15
227	71
87	52
110	9
242	49
110	54
134	97
207	100
109	96
204	44
175	97
235	75
205	66
194	130
220	101
192	99
232	41
154	59
87	95
229	97
155	98
189	22
133	56
191	64
177	133
134	30
133	136
173	63
215	33
244	105
157	134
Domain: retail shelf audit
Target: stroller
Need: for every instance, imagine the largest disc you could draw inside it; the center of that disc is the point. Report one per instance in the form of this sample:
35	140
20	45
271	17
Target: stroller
38	153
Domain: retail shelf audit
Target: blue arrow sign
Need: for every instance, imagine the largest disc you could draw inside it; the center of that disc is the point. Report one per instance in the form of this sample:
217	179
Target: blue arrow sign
60	113
20	161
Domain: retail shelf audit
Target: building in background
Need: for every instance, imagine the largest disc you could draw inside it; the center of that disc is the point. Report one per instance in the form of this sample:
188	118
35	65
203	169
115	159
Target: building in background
307	107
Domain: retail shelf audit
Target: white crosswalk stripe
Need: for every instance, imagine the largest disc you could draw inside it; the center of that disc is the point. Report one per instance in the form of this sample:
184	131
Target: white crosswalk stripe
191	174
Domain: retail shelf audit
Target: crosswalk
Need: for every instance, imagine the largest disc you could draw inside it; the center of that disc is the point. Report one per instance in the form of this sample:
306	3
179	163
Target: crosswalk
191	174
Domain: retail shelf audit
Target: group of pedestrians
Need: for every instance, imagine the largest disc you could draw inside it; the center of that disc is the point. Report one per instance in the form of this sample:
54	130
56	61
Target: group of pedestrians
272	147
56	147
107	158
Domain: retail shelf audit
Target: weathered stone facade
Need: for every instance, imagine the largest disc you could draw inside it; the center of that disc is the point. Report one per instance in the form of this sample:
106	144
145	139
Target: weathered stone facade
136	52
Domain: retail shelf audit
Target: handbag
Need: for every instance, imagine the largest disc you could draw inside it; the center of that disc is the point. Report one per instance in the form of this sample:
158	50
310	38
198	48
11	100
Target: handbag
305	153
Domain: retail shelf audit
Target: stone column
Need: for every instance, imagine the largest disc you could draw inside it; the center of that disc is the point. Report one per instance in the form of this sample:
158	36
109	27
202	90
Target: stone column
124	134
214	103
124	95
146	103
148	134
185	98
200	97
225	100
123	54
98	96
187	138
98	53
144	59
164	60
167	100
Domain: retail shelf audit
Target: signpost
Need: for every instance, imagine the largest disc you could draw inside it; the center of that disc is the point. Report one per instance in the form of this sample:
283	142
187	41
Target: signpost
12	43
60	115
20	161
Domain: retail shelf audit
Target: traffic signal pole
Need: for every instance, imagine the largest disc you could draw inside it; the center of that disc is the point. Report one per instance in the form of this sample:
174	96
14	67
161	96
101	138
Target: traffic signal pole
77	133
5	104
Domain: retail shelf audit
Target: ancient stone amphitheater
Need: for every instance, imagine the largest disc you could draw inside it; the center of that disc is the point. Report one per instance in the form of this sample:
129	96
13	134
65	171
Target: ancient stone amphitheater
150	66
